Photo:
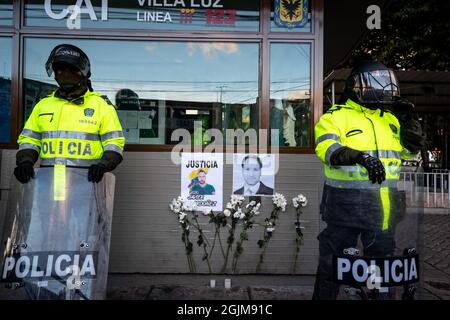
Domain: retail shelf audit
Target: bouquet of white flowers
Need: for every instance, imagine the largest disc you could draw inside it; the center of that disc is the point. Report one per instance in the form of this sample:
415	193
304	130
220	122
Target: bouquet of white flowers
279	204
246	216
178	207
299	202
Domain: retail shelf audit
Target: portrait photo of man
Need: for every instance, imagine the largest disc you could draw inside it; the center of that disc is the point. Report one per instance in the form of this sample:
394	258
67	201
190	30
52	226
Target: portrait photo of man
250	175
200	186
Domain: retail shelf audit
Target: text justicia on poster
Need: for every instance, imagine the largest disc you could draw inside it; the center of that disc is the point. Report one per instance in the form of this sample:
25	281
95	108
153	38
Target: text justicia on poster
202	164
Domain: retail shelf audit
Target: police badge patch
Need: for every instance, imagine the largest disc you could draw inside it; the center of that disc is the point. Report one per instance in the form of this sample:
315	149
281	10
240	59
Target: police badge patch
88	112
291	13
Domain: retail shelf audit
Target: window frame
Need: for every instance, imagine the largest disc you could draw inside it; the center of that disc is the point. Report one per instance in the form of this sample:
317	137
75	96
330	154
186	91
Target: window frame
264	37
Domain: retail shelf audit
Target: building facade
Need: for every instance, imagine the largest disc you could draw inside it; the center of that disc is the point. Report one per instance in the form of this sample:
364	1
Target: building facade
165	65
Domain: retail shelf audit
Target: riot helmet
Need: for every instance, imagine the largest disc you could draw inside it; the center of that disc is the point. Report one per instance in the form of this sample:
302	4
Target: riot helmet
372	85
69	54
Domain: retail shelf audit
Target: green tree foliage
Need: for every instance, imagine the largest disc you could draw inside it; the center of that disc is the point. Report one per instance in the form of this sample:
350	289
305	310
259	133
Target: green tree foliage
414	34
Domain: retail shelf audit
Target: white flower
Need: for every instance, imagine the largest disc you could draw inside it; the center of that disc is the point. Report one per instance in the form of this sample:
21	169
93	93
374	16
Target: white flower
300	200
207	212
194	207
255	212
237	199
270	229
176	205
181	217
279	201
230	206
226	213
236	215
251	204
242	216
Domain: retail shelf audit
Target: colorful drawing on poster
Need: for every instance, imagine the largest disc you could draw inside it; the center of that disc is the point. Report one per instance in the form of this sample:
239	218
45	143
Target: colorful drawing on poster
202	180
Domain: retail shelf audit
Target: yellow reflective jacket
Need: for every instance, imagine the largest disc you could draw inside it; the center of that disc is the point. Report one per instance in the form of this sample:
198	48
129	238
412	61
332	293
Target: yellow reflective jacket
370	131
72	133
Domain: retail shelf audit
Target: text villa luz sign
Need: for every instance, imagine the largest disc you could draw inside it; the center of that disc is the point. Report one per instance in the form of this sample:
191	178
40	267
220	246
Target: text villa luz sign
213	10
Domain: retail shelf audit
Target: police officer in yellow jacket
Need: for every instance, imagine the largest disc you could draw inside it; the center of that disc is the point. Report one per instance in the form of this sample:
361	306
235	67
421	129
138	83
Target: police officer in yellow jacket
361	144
73	126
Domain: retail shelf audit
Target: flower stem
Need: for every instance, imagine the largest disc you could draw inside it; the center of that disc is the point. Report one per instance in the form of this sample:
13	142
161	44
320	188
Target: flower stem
205	241
230	245
261	258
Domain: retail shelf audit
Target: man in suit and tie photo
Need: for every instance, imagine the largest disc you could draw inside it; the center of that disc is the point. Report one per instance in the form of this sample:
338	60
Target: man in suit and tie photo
251	173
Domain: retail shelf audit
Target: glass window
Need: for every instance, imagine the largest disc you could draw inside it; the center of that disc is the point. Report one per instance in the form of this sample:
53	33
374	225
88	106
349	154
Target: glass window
290	16
290	93
5	89
206	15
160	86
6	12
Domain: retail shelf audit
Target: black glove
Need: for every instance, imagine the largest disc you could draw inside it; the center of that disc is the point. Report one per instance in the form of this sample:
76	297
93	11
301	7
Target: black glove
24	172
96	172
411	135
403	109
109	162
25	159
374	167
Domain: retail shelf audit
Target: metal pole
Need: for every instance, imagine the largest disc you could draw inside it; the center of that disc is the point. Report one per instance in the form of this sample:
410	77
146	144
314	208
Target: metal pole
333	100
448	188
434	187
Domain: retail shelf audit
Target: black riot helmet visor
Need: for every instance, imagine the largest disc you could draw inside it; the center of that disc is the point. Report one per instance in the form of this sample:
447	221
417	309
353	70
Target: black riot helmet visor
71	55
373	85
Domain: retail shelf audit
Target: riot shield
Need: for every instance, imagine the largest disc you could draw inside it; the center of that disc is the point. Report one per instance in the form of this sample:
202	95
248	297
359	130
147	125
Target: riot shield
56	235
383	260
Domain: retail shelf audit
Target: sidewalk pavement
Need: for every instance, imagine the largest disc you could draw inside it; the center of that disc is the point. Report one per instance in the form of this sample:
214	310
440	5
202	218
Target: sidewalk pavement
436	278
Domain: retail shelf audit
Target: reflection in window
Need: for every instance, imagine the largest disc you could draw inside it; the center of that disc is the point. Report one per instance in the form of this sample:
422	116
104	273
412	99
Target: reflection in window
212	15
6	12
159	87
5	89
290	16
290	93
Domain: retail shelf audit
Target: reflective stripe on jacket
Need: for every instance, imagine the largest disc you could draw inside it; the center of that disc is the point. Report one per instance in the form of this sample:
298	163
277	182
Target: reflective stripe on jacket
73	133
362	129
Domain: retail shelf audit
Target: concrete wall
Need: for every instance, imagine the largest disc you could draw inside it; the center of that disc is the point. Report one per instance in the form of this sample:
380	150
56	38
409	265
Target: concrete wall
146	237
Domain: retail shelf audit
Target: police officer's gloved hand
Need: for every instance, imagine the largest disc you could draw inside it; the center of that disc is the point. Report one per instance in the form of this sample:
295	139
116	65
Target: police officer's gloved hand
109	162
411	135
374	167
24	172
403	109
25	160
96	172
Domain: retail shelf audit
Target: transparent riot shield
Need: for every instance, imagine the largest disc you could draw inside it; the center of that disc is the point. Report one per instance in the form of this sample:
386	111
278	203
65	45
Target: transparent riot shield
56	235
382	259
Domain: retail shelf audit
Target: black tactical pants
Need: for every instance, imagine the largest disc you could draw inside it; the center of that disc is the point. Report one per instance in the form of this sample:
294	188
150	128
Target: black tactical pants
333	240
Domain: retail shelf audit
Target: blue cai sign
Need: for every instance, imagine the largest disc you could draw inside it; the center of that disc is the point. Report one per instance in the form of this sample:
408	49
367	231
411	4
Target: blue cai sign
291	13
